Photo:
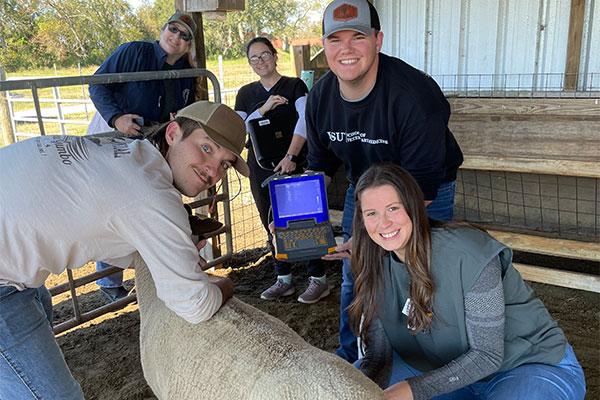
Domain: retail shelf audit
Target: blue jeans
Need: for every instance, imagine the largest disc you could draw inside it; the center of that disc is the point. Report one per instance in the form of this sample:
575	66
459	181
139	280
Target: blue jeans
31	363
563	381
442	208
111	281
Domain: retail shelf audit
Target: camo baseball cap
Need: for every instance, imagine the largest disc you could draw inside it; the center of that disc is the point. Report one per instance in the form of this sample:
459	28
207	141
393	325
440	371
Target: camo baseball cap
186	21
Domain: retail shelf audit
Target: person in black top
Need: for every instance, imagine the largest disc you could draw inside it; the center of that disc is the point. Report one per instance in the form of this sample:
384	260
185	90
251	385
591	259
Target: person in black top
374	108
274	94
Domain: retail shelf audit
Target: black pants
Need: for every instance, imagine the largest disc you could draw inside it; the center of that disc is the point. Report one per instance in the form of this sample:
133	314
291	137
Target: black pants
263	204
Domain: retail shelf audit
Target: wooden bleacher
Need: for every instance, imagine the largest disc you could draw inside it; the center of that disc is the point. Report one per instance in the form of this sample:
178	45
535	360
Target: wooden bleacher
551	136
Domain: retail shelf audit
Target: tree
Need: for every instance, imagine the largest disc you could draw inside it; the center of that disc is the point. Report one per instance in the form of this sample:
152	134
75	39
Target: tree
42	32
306	21
282	19
73	30
17	28
153	16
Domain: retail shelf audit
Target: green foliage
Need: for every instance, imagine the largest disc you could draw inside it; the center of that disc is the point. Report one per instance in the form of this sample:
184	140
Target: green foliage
162	11
281	19
17	25
40	33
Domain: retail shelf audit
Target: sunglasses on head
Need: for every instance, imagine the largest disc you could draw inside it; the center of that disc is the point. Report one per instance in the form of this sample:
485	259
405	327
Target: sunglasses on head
183	35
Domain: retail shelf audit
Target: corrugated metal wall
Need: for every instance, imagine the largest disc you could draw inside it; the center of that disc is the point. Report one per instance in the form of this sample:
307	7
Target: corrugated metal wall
590	61
500	37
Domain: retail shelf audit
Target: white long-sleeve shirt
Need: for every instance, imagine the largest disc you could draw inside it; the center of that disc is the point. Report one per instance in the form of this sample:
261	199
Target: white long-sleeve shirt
66	201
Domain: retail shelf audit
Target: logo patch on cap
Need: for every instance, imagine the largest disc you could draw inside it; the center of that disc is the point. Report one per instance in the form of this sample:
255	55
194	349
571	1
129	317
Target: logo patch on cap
345	12
186	19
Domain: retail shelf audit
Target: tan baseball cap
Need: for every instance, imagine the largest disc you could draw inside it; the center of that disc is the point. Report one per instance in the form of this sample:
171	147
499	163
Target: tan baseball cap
223	125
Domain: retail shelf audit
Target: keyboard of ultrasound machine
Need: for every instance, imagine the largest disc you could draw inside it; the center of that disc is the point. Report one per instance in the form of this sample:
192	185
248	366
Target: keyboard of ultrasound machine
300	237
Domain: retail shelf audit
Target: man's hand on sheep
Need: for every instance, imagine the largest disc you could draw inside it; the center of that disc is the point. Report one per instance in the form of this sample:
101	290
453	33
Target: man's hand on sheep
223	283
202	262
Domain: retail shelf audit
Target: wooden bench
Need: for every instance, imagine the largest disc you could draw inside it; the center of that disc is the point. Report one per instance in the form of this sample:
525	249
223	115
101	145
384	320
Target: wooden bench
549	136
558	248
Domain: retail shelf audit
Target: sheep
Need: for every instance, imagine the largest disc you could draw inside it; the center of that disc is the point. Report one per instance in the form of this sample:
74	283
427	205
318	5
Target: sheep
240	353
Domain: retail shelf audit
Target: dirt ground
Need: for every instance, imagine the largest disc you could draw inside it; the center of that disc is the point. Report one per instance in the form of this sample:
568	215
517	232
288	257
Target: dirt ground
104	354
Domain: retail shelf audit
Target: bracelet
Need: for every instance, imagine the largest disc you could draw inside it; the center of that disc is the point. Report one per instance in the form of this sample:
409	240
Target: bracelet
292	158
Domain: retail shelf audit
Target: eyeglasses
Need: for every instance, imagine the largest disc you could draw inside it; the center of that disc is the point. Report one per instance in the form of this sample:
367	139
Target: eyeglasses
265	56
184	36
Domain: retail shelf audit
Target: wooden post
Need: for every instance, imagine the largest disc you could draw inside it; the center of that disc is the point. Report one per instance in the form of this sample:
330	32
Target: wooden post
200	57
197	58
301	56
7	137
574	44
197	55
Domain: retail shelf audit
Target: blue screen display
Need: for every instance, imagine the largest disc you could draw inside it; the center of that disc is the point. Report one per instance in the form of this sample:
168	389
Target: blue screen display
298	198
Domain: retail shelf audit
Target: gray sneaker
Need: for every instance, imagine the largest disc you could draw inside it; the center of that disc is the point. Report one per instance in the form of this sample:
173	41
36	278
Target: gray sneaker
316	291
114	293
279	289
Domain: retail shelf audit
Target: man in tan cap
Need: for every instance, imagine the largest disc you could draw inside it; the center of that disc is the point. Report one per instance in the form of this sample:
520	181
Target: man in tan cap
68	200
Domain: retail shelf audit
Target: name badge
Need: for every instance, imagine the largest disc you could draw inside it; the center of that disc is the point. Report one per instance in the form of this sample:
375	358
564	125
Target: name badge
407	307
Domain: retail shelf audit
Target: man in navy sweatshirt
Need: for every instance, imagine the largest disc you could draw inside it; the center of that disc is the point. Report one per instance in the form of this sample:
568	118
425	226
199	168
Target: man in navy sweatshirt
374	108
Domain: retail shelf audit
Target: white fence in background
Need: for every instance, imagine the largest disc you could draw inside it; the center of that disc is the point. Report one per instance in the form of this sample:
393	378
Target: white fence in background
63	106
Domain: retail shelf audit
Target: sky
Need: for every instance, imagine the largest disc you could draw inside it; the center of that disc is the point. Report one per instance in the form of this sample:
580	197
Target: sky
137	3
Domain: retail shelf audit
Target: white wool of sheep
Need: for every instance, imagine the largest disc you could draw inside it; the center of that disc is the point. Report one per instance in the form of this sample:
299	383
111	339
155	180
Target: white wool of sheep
240	353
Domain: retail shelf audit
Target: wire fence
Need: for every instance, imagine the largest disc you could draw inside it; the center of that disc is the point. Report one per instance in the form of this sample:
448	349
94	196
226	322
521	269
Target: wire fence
547	85
565	205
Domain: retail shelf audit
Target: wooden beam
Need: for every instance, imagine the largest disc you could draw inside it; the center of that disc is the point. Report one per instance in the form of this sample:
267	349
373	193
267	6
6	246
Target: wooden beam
319	60
574	44
214	5
589	169
530	107
6	133
200	59
197	52
573	280
549	246
546	136
528	137
301	56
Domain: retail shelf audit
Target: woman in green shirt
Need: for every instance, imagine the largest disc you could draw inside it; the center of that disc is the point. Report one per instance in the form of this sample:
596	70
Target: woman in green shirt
440	309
